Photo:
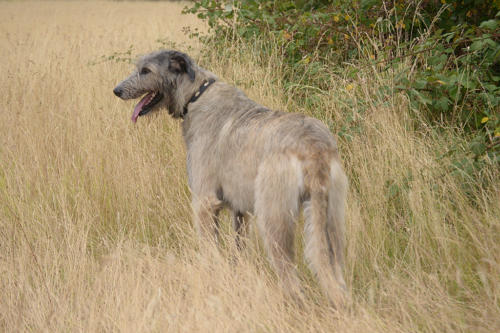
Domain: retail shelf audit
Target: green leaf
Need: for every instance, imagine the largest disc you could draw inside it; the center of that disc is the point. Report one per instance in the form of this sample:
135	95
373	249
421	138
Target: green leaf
442	104
420	84
490	87
437	60
420	97
477	45
478	148
490	25
367	4
454	92
468	84
449	36
491	43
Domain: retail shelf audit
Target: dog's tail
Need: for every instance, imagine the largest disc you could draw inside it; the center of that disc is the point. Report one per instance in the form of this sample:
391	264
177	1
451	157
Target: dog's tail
324	227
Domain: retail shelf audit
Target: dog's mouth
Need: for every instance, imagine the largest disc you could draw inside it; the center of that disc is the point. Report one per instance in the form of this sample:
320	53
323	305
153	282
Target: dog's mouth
146	104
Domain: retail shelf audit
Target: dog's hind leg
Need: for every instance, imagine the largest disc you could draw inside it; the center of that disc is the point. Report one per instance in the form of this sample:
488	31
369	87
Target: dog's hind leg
240	226
278	189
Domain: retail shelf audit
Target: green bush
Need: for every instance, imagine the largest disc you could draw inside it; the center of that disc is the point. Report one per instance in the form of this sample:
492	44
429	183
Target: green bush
445	54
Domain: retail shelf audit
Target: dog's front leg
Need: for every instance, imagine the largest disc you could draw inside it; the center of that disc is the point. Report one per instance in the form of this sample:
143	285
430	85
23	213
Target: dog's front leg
205	211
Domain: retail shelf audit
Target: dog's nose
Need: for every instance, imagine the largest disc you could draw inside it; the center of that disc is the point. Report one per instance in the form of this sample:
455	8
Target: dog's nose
117	91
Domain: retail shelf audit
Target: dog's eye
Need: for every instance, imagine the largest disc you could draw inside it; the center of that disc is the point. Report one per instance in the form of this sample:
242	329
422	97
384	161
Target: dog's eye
145	71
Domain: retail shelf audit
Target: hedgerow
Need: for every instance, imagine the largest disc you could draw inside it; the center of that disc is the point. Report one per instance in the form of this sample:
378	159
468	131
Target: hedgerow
444	55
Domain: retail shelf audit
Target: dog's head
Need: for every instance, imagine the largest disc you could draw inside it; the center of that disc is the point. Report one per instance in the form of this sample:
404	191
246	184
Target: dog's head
157	77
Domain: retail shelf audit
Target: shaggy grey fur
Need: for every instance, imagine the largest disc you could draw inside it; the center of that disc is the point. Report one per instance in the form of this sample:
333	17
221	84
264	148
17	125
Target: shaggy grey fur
252	160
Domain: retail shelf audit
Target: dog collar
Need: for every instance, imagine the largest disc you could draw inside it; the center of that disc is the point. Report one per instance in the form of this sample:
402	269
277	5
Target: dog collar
197	95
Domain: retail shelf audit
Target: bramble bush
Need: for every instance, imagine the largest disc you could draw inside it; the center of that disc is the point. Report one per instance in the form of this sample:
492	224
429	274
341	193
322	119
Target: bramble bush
445	55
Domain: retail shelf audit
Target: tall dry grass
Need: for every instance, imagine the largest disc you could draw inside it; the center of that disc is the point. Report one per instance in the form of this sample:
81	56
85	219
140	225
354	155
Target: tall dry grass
95	230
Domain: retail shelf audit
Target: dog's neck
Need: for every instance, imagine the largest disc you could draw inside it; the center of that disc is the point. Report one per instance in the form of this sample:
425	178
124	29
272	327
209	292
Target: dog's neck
197	94
184	89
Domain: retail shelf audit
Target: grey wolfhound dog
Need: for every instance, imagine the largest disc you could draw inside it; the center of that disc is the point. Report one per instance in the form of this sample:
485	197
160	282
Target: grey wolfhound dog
255	161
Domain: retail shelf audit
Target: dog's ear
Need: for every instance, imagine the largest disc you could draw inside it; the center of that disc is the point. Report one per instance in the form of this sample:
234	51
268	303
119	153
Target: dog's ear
181	63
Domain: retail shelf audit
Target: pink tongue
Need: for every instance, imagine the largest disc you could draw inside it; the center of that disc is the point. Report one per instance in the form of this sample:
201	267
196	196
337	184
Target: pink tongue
140	105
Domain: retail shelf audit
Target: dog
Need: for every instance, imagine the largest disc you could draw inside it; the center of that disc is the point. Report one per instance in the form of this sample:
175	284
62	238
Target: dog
252	160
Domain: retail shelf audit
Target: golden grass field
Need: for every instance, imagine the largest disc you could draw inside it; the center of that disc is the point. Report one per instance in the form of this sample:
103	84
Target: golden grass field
95	231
